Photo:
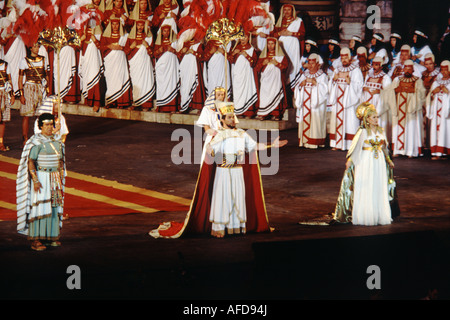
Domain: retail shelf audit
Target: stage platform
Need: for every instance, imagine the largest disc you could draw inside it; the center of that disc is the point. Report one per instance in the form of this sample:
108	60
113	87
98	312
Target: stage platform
287	122
119	260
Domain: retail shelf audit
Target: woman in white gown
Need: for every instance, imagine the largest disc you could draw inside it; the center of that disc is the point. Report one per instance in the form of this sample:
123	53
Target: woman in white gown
368	186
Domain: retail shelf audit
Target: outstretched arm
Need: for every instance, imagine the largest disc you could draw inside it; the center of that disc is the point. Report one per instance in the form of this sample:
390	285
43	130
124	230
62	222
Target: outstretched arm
276	144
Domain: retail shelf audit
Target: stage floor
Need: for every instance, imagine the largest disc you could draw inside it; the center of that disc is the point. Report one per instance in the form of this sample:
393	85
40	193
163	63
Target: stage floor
119	260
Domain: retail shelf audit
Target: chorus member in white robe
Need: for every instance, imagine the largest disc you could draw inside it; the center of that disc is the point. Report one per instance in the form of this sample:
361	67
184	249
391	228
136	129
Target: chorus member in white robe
90	67
166	70
67	74
243	59
438	111
375	82
431	73
6	100
311	96
138	49
271	67
260	34
404	55
420	47
116	9
192	87
214	74
209	118
344	89
405	97
14	51
166	12
117	75
228	212
367	186
290	31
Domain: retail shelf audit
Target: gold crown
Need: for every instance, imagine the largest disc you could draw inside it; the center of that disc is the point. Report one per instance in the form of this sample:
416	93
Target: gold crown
226	107
219	89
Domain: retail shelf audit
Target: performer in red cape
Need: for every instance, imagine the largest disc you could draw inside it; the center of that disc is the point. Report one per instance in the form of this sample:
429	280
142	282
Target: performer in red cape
228	196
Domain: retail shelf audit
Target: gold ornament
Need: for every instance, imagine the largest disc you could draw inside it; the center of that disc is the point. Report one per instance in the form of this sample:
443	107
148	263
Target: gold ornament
57	39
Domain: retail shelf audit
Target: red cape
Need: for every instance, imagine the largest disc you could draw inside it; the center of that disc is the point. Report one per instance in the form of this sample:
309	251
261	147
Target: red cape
197	219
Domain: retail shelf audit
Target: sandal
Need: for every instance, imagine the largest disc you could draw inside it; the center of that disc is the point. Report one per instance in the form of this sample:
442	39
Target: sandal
55	244
37	246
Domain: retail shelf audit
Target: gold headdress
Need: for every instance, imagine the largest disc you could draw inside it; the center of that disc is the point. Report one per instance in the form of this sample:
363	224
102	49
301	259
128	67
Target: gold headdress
226	107
363	111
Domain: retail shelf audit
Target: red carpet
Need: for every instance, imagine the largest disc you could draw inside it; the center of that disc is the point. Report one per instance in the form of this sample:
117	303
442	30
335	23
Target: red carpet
89	196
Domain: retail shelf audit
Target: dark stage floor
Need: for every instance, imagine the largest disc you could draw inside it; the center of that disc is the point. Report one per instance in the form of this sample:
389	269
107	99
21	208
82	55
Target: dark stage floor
119	260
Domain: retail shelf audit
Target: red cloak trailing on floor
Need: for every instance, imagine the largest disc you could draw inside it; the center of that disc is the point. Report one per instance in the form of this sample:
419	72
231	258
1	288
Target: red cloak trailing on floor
197	219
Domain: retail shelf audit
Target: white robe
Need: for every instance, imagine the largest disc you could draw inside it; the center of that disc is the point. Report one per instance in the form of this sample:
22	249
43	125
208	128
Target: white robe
16	53
117	74
271	88
90	67
407	118
189	78
375	99
438	111
311	104
344	99
142	75
291	46
67	69
214	73
228	208
371	191
244	83
167	77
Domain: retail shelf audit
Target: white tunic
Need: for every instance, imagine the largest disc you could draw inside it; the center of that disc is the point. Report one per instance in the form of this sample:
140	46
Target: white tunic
407	118
377	82
311	103
228	208
344	98
438	111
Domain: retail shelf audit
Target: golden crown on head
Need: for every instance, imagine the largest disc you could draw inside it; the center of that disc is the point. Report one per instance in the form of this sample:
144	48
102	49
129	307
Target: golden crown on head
226	107
221	89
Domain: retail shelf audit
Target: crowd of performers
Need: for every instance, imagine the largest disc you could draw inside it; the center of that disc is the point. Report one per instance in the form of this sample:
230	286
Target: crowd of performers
133	59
